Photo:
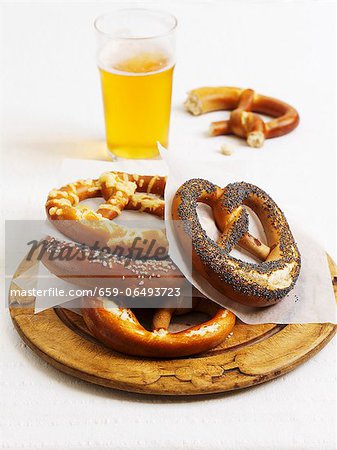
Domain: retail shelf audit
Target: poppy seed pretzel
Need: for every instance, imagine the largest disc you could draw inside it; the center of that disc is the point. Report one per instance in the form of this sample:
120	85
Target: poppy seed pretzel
243	104
252	284
120	191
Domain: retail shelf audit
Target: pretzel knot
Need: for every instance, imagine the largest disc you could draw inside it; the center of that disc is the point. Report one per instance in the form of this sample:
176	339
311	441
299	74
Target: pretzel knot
243	121
120	191
253	284
120	329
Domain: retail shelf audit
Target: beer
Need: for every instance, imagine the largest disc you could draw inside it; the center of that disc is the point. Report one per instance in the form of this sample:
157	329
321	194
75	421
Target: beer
137	104
136	57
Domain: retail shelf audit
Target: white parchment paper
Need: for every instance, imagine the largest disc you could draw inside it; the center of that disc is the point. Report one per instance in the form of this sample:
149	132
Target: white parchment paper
311	301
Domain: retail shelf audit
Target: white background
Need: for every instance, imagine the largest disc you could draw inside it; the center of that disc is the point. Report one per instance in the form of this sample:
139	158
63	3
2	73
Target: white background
51	110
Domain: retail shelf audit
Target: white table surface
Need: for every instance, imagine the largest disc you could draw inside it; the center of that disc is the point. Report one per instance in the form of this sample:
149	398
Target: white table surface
51	110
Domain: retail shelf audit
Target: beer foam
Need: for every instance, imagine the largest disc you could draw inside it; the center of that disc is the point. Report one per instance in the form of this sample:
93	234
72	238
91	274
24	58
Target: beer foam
134	58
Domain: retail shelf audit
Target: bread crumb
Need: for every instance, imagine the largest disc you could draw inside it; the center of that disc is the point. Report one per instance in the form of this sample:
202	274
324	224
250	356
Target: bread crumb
226	149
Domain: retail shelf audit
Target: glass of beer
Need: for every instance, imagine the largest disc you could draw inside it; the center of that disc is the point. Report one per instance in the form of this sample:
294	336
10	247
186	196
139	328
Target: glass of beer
136	57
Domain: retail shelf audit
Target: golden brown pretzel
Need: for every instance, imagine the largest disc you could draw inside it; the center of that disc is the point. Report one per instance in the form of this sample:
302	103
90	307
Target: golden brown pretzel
261	284
120	191
119	329
243	122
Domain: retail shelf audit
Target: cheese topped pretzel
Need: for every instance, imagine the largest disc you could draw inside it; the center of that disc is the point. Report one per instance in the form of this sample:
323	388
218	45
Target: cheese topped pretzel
120	191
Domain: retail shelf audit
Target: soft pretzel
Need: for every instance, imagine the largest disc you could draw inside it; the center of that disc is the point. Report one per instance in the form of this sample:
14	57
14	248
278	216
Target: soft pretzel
260	284
120	191
87	267
243	104
119	329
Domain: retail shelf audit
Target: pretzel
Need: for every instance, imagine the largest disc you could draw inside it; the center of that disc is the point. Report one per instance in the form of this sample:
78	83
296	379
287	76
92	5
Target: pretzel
243	104
254	284
86	267
119	329
120	191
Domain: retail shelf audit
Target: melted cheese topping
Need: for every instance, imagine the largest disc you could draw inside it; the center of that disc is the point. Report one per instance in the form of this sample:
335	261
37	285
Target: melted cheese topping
113	180
147	201
62	201
150	185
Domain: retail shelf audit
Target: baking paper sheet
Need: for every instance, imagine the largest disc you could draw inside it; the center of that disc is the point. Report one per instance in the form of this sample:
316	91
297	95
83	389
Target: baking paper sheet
311	301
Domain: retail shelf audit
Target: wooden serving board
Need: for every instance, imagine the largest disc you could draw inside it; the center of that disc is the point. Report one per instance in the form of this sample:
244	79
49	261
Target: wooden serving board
253	354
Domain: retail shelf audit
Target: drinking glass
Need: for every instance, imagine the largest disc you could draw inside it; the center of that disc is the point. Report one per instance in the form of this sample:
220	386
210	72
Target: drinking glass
136	58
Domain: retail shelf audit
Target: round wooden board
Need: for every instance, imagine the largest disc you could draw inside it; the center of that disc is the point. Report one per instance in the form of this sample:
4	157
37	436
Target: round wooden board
253	354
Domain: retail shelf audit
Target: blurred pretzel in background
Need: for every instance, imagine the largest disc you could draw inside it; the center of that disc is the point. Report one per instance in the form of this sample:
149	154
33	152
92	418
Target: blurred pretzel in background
243	104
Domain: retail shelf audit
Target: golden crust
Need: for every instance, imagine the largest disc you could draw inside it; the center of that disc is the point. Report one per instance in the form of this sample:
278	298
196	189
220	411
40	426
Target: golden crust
243	121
